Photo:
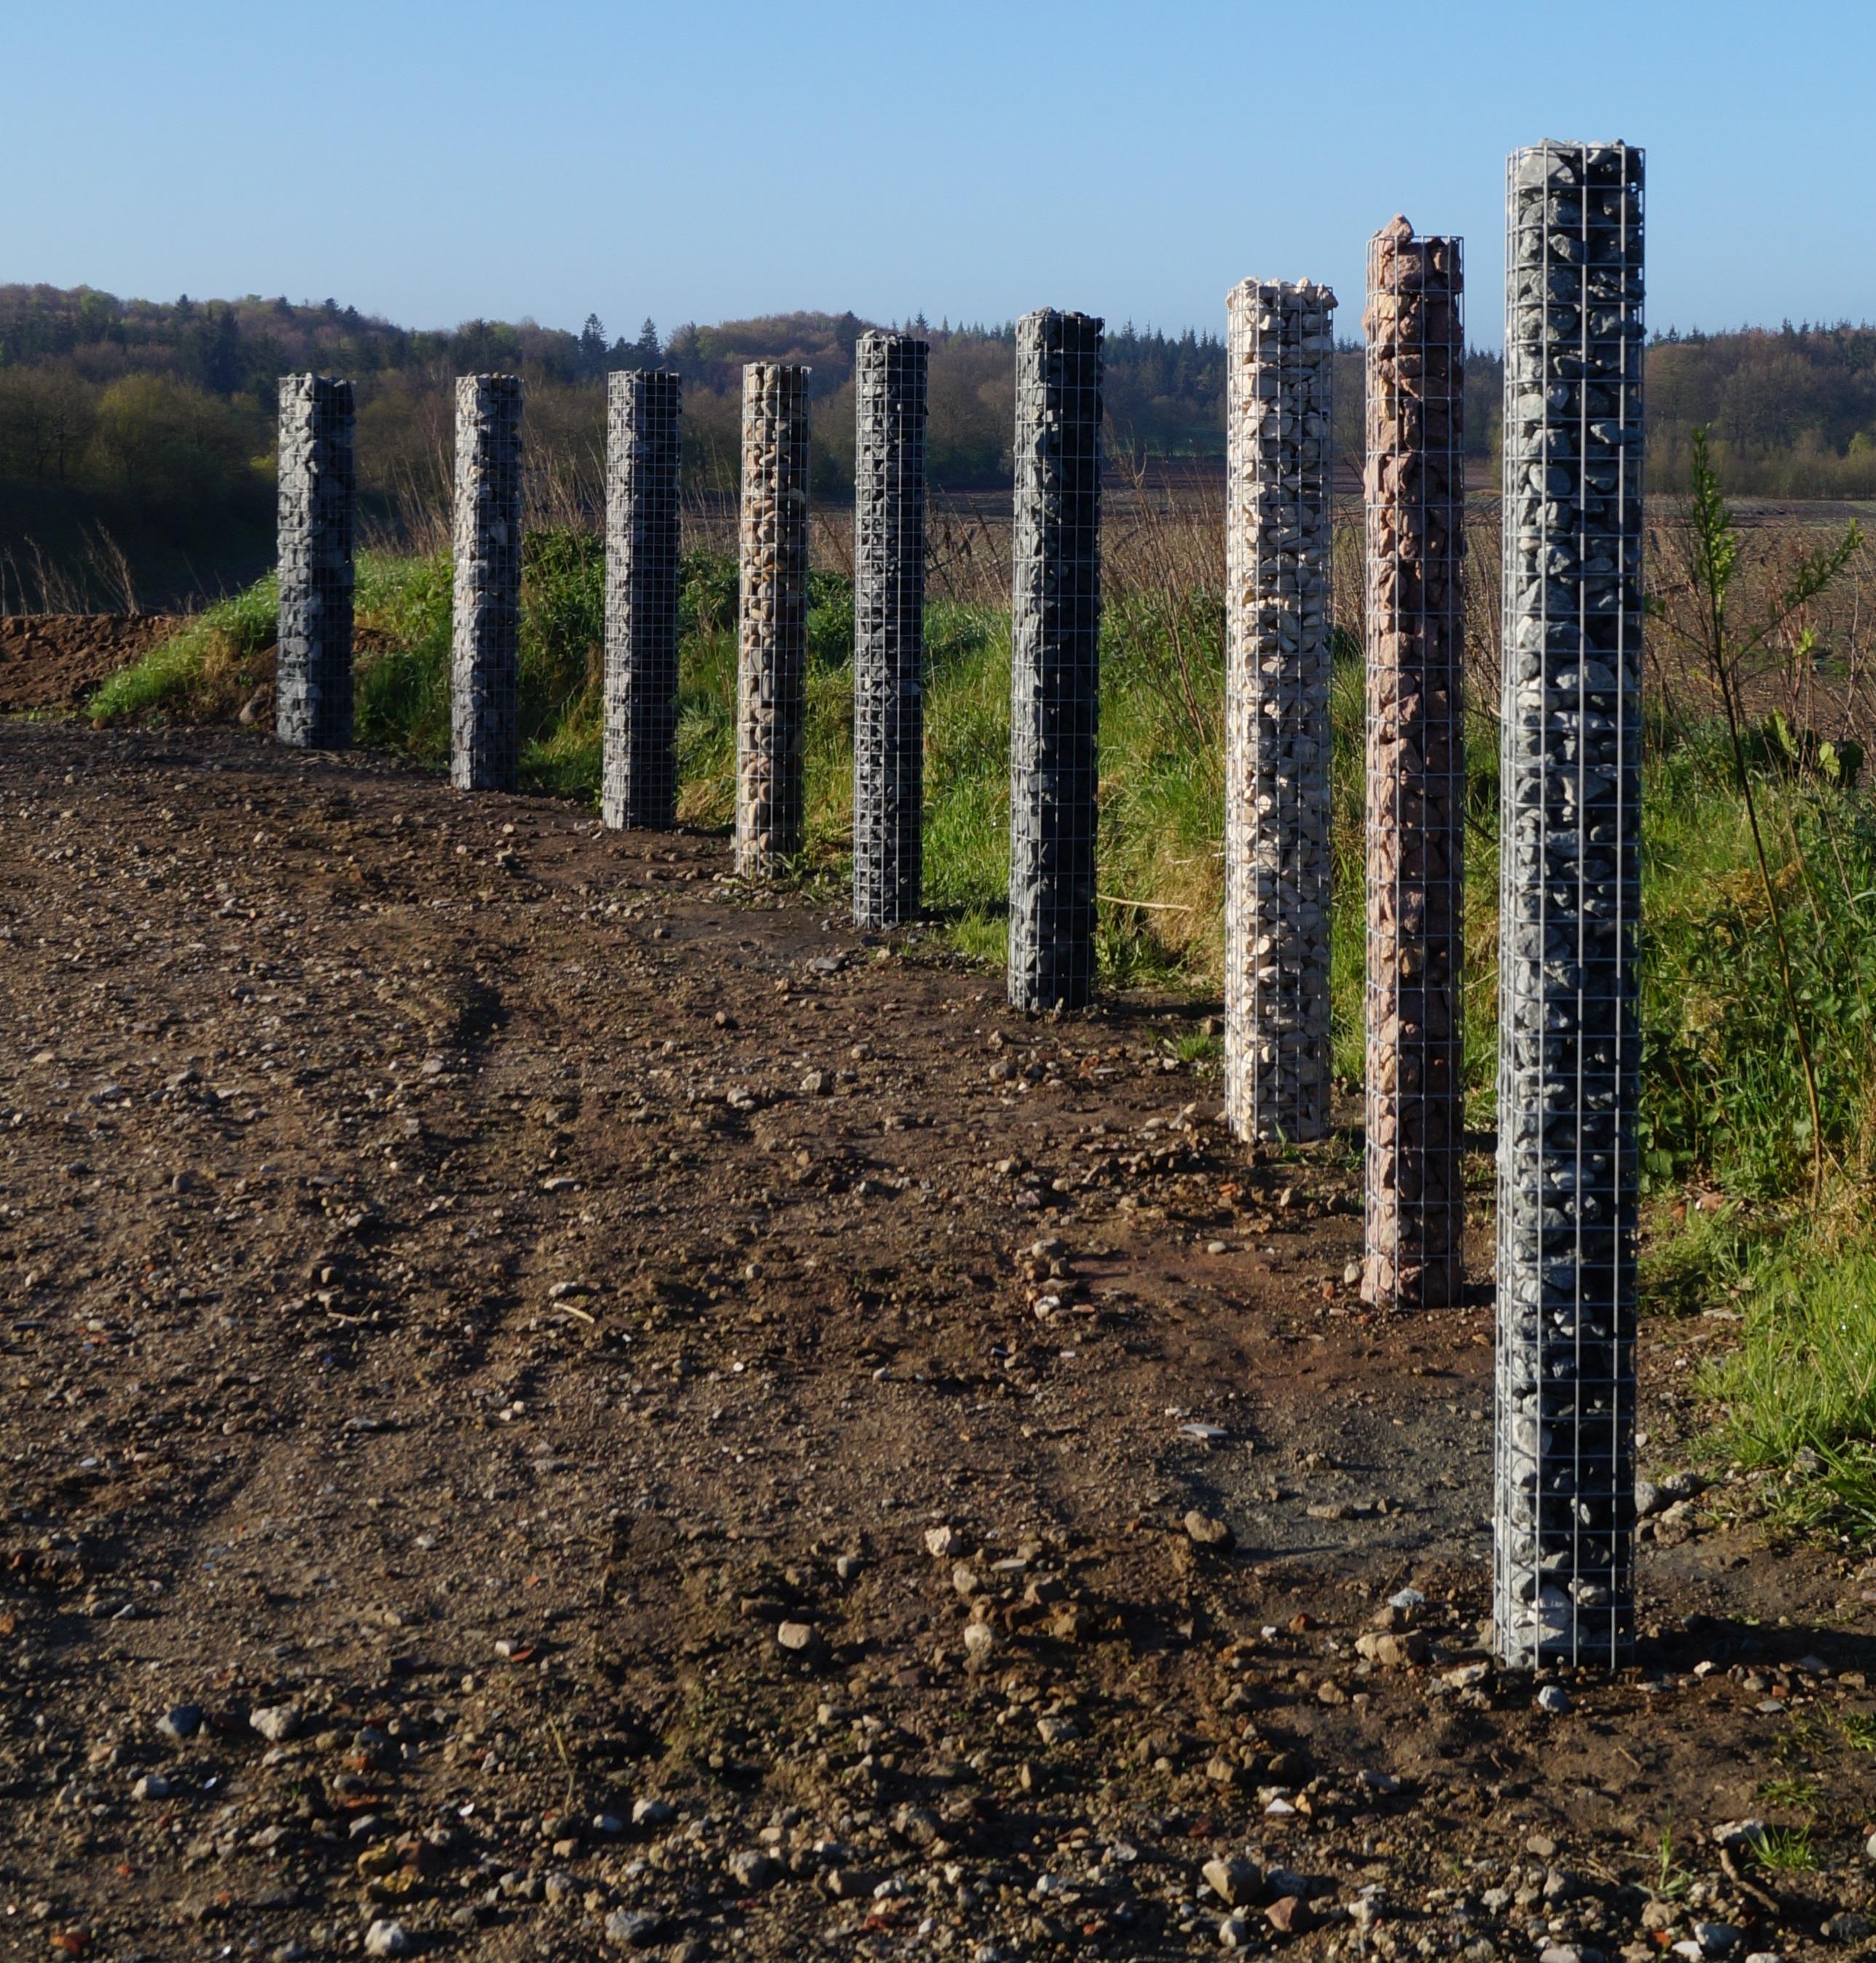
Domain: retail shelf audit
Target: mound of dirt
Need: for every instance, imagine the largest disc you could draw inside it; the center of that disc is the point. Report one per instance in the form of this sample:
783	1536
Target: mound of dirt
54	660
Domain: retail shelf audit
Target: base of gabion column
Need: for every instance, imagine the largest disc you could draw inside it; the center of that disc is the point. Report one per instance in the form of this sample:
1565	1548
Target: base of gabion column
1415	1209
1278	1057
889	628
771	684
639	785
1055	666
312	676
485	659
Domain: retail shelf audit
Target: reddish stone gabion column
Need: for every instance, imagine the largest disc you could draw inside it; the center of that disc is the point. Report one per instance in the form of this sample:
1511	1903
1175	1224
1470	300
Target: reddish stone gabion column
772	681
1280	343
1416	771
312	671
485	657
639	775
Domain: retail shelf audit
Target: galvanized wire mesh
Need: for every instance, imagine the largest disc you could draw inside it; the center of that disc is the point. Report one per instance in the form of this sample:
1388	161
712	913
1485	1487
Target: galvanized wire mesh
888	627
485	672
638	784
1055	665
313	688
1569	1040
1276	741
772	665
1415	496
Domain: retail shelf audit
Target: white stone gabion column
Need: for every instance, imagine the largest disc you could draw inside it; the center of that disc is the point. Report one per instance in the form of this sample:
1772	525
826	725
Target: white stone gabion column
638	776
1055	661
312	690
484	625
1569	1034
889	627
1416	499
1280	344
772	665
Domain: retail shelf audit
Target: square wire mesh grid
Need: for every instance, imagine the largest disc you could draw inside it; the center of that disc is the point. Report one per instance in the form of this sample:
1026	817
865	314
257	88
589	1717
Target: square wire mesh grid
772	681
1055	666
889	627
484	626
1570	1038
313	672
1280	343
639	775
1414	499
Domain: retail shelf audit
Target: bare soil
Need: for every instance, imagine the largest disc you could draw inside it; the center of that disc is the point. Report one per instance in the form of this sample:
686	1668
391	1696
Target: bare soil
54	661
498	1320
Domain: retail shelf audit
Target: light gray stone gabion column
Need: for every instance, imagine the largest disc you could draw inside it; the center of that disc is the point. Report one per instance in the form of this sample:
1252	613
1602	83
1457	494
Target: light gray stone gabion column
1055	661
1279	345
312	693
772	681
484	626
888	628
639	785
1569	1034
1416	499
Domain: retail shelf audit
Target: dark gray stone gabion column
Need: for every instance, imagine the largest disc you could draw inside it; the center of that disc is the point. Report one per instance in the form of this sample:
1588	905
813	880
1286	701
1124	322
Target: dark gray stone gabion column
888	628
484	664
1055	664
771	681
640	773
1569	1036
1415	498
313	669
1278	1058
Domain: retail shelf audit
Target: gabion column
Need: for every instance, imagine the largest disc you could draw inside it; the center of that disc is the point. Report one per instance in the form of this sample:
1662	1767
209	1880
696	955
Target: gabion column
1415	496
771	681
484	671
889	627
640	773
1570	1038
1277	653
313	669
1055	661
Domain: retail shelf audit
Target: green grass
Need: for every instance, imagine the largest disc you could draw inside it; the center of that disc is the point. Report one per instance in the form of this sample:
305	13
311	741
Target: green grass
1787	1850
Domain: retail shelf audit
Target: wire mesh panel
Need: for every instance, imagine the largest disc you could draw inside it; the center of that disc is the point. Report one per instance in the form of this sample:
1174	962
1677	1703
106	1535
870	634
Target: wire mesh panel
312	670
1568	1042
1415	498
1055	665
888	628
638	784
772	682
1280	341
484	626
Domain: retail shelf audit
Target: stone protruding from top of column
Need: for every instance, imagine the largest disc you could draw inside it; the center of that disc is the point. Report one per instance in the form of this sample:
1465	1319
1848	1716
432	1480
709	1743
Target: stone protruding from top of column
313	688
1055	668
638	778
1570	1037
772	681
1279	348
1415	499
484	667
889	627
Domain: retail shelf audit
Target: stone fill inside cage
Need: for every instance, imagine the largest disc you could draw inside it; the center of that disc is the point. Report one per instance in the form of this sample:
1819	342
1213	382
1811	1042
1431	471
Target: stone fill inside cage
312	687
484	625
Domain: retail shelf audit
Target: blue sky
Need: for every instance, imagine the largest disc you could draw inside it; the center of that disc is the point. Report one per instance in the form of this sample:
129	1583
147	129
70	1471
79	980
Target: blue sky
702	161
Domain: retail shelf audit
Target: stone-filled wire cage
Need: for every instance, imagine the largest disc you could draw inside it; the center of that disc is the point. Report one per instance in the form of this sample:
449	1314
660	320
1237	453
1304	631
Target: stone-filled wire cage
312	687
486	615
1280	344
889	627
1055	668
1569	1038
640	776
1415	497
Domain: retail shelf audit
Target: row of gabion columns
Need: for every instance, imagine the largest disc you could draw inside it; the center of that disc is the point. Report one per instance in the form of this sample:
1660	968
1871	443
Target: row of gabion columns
1279	346
312	667
1569	1036
1415	497
485	659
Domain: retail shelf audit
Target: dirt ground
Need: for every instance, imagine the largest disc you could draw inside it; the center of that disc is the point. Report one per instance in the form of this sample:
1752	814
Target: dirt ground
555	1407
